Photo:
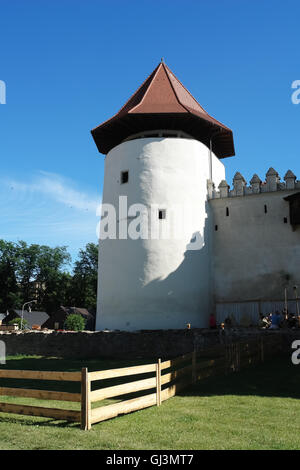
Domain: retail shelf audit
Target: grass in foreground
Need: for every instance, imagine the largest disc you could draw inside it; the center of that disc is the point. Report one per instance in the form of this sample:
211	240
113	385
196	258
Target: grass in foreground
257	408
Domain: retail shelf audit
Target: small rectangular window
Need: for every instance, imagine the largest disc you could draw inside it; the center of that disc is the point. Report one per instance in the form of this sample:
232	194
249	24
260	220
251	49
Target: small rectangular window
162	214
285	220
124	177
227	211
216	227
265	208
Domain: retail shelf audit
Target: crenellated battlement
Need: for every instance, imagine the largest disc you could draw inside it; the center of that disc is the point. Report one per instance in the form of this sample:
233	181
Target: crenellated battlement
256	185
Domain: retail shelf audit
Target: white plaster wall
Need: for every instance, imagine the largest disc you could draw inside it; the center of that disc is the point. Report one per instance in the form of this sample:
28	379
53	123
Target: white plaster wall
254	251
154	284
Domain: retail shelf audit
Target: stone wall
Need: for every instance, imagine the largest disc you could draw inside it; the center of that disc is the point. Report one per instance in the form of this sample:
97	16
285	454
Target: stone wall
132	345
256	185
255	247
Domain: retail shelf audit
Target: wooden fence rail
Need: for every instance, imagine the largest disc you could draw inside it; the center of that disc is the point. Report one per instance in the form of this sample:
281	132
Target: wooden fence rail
55	413
163	381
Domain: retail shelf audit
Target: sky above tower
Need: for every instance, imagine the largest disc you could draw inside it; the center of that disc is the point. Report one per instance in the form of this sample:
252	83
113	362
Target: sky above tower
69	65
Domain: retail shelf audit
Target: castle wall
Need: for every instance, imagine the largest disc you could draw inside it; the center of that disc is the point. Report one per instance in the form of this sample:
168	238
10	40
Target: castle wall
149	345
158	283
256	251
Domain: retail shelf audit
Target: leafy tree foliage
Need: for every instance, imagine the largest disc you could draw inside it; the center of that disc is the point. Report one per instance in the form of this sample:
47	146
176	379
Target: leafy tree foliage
9	290
84	292
40	272
74	322
19	322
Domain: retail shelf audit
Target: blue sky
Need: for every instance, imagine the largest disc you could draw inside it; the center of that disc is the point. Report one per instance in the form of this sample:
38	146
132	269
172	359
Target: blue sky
69	65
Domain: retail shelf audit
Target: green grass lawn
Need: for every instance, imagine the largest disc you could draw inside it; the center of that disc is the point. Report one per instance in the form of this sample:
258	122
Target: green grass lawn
257	408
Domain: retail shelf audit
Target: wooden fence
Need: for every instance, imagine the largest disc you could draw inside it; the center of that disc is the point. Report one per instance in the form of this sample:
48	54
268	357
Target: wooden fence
56	413
163	381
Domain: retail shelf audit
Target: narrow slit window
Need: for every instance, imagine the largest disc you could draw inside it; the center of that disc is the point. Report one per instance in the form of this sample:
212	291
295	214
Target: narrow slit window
124	176
285	220
216	227
162	214
265	208
227	212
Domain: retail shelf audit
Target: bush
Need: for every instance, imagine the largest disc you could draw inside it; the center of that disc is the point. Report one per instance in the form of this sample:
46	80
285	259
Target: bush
18	322
74	322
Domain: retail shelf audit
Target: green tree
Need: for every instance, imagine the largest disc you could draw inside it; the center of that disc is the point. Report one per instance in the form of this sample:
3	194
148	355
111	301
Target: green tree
40	272
84	284
19	322
74	322
33	272
9	289
26	270
53	283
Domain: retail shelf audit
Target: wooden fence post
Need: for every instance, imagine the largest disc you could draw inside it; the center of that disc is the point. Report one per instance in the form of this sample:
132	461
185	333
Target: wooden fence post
194	365
158	382
85	400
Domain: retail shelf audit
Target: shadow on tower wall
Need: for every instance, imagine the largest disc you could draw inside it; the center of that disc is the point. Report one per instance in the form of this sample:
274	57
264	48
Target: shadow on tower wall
184	296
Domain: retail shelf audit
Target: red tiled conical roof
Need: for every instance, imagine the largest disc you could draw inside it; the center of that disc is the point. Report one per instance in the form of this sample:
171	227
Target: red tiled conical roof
162	102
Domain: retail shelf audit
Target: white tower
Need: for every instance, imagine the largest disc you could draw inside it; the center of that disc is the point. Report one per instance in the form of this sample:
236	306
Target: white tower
163	152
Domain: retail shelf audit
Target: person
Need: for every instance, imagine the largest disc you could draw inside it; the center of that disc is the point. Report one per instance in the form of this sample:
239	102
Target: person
212	321
275	320
280	320
292	320
263	321
267	320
